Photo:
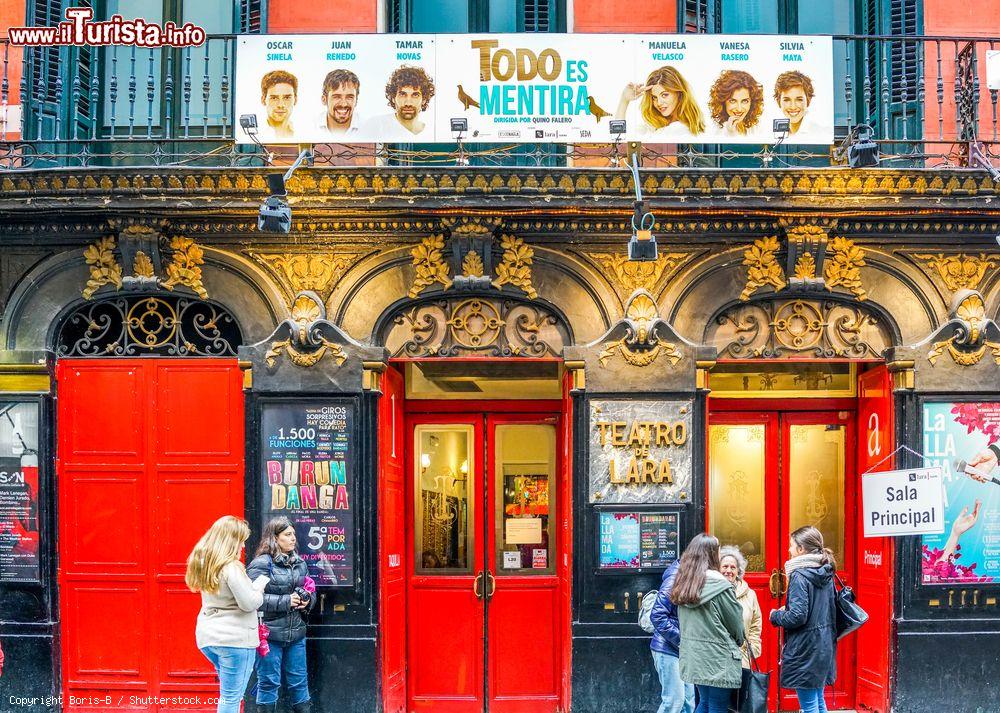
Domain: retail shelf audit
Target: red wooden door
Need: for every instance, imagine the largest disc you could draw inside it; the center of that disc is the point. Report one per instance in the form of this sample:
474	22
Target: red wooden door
875	555
392	543
150	453
485	618
769	474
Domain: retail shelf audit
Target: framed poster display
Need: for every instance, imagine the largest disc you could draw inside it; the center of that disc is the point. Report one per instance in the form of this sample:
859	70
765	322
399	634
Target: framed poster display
637	540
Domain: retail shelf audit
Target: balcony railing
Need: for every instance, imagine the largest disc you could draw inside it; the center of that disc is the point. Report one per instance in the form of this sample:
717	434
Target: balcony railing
924	97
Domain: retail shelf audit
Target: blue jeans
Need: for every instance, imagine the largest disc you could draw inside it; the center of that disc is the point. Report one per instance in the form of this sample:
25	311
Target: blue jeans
713	700
675	695
811	700
291	659
234	667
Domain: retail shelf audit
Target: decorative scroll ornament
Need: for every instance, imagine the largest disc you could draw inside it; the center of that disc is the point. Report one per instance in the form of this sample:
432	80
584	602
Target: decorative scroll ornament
104	268
515	268
959	272
762	267
972	332
843	267
136	325
788	328
632	275
312	272
306	343
643	343
185	267
468	326
429	262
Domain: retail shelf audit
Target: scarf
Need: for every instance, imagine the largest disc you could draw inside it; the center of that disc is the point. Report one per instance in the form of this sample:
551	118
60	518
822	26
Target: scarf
805	561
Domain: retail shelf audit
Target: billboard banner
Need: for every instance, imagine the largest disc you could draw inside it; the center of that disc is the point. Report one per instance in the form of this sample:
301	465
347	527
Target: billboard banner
523	88
963	439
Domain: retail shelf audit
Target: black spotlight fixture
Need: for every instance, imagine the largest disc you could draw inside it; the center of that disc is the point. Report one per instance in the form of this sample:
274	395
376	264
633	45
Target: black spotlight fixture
642	244
863	152
275	215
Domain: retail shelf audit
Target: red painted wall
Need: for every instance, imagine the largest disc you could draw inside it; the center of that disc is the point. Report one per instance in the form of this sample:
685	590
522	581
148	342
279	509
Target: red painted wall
11	15
946	18
341	16
624	16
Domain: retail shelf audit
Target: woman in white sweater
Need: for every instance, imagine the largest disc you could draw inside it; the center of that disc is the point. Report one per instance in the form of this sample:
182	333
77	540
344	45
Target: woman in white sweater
227	623
733	567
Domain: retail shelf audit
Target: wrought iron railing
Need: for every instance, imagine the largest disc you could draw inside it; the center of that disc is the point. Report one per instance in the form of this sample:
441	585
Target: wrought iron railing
925	98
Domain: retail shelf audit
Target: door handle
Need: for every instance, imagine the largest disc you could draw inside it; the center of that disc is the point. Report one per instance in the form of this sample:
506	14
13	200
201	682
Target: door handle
774	583
477	586
784	582
491	583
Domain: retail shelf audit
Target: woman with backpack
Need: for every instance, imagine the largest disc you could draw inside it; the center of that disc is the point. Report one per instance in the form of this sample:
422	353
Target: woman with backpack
226	632
809	618
286	602
711	623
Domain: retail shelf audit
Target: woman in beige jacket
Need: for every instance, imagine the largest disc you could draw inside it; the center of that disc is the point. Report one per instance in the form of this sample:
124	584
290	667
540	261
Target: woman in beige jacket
733	566
227	623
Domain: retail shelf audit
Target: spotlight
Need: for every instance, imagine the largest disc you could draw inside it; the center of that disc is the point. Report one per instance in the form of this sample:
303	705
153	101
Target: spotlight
275	216
249	123
863	152
642	244
617	127
459	126
782	126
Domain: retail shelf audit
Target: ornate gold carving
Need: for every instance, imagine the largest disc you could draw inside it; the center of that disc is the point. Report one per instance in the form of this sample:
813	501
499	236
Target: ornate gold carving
185	267
317	272
104	268
762	267
642	345
475	324
632	275
959	272
798	325
142	266
843	267
430	265
472	266
805	267
306	312
515	269
968	343
152	323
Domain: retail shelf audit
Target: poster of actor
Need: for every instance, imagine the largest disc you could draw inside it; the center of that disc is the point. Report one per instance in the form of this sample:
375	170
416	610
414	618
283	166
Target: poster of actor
338	120
278	94
964	440
408	93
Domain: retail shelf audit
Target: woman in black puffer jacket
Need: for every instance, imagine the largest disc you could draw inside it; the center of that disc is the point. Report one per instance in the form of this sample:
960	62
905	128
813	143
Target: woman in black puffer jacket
286	603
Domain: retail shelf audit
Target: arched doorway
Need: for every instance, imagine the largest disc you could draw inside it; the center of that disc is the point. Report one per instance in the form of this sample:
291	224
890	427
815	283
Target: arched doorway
475	505
150	452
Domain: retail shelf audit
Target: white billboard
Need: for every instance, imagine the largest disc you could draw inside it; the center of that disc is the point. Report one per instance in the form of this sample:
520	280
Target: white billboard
518	88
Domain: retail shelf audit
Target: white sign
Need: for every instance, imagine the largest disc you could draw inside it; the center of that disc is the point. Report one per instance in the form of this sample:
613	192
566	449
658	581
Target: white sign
534	87
903	502
523	530
993	69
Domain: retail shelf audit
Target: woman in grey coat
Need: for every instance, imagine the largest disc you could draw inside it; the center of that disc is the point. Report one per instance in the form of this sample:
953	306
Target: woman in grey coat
286	603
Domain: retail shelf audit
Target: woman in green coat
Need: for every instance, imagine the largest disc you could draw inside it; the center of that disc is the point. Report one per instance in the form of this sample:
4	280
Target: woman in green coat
711	622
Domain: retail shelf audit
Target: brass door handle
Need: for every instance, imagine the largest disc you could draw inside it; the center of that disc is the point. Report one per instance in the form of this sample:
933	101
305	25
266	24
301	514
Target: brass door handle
477	586
784	583
774	583
492	584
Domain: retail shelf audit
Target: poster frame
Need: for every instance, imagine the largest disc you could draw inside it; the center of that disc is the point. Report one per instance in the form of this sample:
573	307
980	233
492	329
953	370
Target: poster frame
46	526
643	509
357	590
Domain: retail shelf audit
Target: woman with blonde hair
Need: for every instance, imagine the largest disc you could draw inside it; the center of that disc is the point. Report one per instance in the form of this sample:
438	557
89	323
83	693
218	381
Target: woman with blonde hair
667	104
226	632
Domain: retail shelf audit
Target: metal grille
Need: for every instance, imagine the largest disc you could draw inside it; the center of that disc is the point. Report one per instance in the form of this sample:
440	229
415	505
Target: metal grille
538	15
251	16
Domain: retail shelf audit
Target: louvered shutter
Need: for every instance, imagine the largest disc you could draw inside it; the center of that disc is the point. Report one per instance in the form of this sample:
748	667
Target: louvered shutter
252	16
41	87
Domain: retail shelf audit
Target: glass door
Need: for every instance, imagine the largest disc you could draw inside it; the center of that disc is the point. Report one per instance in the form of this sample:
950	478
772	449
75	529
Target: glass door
770	473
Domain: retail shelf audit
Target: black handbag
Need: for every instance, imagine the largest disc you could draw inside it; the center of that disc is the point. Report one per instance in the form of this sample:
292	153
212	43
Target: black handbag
850	616
752	695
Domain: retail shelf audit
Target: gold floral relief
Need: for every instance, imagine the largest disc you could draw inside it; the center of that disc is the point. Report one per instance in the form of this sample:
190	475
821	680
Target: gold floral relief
472	266
314	272
430	265
961	271
104	268
142	266
805	267
515	267
843	267
185	266
632	275
762	267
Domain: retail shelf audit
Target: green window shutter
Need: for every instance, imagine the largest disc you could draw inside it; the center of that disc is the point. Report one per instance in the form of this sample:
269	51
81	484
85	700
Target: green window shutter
253	16
700	16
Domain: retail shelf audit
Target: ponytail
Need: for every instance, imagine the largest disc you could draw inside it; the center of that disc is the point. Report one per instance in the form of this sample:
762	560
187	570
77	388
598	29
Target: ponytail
810	539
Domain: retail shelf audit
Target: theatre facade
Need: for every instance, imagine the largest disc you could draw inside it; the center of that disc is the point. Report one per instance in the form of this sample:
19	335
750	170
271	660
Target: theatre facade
491	429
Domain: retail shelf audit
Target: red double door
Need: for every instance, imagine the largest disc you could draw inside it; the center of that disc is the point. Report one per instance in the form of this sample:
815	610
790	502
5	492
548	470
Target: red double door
150	453
770	473
487	536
